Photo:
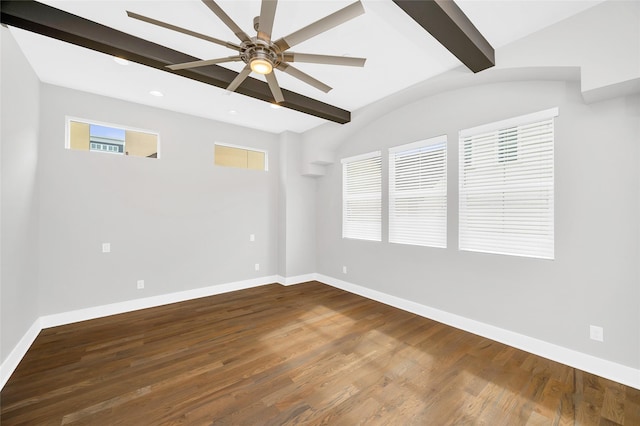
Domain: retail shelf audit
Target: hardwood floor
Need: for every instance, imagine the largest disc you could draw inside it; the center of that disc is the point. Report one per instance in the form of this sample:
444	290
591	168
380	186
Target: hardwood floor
305	354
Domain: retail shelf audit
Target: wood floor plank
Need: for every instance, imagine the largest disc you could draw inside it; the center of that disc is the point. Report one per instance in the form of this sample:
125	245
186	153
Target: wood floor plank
613	403
306	354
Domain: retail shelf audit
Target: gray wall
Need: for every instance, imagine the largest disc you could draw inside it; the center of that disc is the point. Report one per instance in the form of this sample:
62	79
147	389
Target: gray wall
178	222
297	239
594	278
19	192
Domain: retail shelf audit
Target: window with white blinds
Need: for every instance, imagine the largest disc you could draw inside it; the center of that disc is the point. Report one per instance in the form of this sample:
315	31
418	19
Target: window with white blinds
506	186
362	197
418	193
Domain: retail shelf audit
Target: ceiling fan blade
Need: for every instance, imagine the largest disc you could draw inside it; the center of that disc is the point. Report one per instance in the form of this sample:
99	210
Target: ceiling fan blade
341	16
239	79
304	77
275	87
183	31
324	59
265	22
227	20
195	64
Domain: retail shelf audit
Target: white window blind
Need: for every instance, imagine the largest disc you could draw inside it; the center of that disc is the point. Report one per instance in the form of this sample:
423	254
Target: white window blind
361	197
507	187
418	193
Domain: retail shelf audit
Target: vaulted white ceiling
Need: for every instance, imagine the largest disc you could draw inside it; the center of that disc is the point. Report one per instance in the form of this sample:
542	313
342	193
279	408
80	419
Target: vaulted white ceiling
399	52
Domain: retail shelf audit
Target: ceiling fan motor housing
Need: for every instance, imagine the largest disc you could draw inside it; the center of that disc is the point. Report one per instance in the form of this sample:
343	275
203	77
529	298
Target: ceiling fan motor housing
260	49
260	54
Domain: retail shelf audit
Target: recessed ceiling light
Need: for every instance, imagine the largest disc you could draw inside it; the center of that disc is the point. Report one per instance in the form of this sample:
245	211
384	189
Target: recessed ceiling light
156	93
233	112
276	106
120	61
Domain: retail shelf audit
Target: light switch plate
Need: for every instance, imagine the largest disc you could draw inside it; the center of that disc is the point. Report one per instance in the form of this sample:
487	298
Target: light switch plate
596	333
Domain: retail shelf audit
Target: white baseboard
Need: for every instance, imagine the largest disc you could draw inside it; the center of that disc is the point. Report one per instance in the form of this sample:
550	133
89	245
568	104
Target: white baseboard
150	302
298	279
9	365
607	369
589	363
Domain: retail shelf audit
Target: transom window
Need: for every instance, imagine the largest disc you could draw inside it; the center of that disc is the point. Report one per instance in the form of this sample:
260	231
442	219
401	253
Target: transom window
85	135
239	157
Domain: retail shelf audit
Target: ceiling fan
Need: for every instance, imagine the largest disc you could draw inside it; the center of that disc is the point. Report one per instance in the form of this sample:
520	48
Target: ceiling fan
261	54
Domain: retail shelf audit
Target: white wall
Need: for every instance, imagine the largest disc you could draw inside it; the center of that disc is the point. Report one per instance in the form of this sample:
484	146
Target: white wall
594	278
19	192
178	222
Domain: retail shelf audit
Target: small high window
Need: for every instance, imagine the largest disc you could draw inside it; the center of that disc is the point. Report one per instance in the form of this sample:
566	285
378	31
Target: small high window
240	157
105	138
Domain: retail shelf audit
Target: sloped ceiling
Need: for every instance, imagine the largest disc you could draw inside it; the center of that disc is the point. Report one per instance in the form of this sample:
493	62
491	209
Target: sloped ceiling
399	53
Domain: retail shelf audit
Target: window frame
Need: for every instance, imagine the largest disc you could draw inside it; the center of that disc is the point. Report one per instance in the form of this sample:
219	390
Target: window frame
419	147
246	148
67	136
515	242
377	196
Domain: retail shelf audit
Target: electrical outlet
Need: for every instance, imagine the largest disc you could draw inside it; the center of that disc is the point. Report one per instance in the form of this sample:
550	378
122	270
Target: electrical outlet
106	247
140	284
257	266
252	237
344	269
596	333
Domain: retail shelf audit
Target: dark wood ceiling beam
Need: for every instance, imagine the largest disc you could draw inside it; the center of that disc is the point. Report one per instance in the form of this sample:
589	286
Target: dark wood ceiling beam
51	22
448	24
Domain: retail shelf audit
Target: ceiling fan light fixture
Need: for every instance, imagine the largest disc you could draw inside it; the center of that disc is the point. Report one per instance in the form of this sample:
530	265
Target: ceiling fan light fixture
261	66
